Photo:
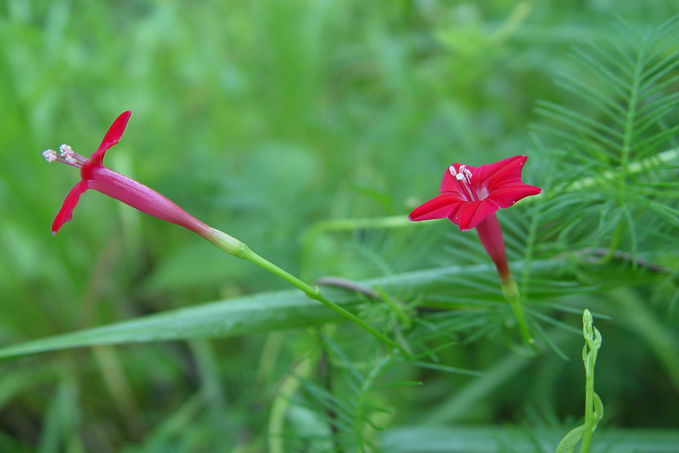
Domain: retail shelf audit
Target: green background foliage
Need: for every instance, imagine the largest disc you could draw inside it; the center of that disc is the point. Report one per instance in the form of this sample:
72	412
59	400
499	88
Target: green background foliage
270	120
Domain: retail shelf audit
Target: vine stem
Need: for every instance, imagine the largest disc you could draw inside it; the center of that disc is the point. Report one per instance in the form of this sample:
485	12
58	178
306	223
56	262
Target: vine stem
238	249
511	293
589	354
594	408
589	412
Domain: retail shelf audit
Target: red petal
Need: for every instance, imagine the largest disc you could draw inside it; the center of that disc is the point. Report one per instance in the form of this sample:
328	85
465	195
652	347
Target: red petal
66	212
112	136
471	213
508	169
507	194
438	207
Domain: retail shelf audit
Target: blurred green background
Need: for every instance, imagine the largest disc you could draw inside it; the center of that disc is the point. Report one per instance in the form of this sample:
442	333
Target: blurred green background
260	118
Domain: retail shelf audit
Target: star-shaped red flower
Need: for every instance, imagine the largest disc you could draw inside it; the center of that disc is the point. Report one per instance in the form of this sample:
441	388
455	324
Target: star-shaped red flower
468	195
94	175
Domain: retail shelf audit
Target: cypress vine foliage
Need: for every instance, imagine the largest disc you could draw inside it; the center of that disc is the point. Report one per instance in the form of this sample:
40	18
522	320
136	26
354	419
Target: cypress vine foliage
607	221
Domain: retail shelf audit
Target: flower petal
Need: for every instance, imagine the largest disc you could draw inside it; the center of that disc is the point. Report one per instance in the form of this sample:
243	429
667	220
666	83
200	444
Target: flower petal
471	213
490	175
509	193
111	138
438	207
66	212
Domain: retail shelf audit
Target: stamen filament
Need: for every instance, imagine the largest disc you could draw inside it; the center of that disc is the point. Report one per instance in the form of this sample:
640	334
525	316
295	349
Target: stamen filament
65	156
69	161
470	193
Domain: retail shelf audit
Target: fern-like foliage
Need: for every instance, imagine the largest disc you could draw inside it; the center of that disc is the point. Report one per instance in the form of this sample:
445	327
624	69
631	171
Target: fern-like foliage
609	216
610	161
608	165
347	402
341	402
616	152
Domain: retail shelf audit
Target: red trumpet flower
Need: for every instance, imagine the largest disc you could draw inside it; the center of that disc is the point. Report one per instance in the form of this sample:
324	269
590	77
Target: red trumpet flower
470	194
470	197
95	176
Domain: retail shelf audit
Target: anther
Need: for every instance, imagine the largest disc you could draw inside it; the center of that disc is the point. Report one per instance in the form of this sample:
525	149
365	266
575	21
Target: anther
464	174
50	155
70	159
468	174
65	151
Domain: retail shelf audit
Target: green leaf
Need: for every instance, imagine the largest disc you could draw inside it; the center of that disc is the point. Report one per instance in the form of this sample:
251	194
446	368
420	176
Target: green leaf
270	311
246	315
571	439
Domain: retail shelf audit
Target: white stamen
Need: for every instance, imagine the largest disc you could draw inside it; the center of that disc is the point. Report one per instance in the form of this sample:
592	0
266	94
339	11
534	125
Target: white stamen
70	159
464	174
468	174
66	151
50	155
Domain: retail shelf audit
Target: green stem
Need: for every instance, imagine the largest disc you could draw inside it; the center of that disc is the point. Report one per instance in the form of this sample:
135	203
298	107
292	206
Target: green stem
511	293
589	412
236	248
594	408
589	353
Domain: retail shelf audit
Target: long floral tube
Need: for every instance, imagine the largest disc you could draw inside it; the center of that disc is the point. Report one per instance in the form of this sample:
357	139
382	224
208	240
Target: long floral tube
94	175
490	235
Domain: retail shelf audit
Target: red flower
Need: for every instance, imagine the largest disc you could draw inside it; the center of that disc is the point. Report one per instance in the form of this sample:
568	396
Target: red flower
470	197
95	176
470	194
